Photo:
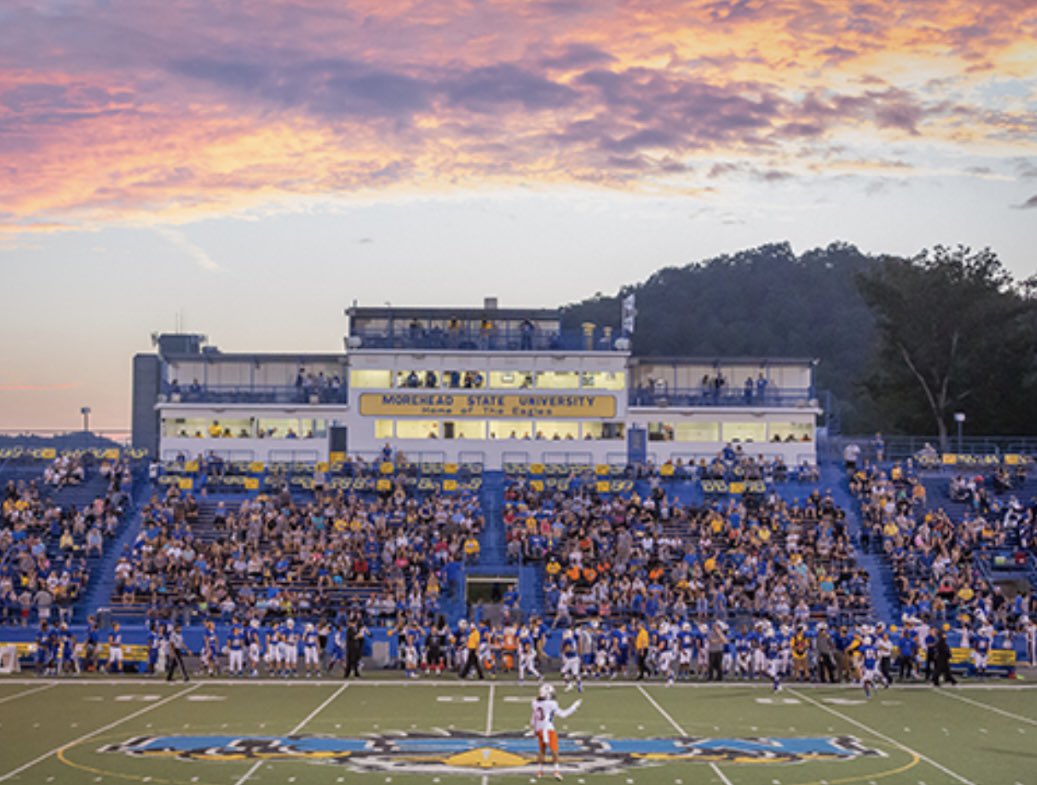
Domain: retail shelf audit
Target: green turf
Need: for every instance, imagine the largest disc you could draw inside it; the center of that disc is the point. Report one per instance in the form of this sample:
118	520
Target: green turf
924	736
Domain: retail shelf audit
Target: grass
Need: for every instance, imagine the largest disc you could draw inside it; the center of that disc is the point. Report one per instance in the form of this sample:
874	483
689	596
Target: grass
64	732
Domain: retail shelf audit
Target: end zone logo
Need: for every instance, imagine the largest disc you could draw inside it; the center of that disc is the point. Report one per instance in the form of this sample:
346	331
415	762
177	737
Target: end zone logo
459	751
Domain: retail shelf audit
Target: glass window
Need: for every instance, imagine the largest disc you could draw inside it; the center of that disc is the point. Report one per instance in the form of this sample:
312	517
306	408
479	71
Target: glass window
383	429
365	379
511	429
417	429
558	380
464	429
660	432
791	431
463	380
745	431
511	380
605	380
557	429
602	430
698	432
313	429
279	428
417	378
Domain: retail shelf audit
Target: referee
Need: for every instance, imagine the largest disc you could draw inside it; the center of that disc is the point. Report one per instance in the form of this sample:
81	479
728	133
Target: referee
176	655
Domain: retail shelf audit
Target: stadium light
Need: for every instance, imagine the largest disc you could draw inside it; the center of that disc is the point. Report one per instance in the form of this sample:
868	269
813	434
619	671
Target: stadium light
85	411
959	417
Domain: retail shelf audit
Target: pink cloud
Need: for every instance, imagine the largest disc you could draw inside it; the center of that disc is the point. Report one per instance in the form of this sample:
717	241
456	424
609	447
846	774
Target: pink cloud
136	110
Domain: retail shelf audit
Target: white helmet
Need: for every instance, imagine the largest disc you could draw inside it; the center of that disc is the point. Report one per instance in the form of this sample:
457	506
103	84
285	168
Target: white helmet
291	623
547	692
686	626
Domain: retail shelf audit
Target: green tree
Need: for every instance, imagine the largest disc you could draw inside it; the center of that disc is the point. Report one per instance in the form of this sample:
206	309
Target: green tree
955	333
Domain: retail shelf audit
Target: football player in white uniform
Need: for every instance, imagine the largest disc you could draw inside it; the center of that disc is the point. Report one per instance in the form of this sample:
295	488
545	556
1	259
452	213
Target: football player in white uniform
545	709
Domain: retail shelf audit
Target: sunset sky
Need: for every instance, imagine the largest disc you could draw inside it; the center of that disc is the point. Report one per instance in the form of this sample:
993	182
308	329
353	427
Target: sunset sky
251	168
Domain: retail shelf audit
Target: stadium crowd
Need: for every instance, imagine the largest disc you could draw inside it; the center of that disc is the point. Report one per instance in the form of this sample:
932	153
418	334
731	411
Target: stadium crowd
933	552
620	556
44	546
273	555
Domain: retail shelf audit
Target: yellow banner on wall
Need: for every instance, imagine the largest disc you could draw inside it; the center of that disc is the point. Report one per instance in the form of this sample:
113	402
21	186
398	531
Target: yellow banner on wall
421	404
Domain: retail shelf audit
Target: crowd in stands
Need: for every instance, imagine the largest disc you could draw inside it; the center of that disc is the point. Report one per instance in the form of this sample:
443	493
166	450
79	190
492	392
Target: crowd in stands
44	546
933	551
64	470
276	555
732	464
624	556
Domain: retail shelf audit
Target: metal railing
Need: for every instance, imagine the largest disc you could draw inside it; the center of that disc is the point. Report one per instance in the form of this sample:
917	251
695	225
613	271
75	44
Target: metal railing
469	338
644	396
254	393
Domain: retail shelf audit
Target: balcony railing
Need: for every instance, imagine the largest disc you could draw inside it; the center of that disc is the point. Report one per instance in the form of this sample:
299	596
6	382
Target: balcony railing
254	393
499	339
646	396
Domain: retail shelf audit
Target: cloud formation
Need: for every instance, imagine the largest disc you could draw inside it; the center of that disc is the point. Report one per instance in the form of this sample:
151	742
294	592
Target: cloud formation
130	110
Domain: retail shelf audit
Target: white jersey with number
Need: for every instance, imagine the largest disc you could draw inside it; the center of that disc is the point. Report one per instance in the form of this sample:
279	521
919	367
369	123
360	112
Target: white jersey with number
544	713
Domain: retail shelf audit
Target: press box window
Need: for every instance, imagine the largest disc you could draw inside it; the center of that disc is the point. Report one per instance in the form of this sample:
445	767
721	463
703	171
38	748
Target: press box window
558	380
698	431
511	380
383	429
556	430
417	429
464	429
604	380
602	430
511	429
745	432
366	380
791	431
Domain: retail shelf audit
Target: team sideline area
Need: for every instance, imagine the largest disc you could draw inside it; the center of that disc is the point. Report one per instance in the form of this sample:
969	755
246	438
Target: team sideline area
100	730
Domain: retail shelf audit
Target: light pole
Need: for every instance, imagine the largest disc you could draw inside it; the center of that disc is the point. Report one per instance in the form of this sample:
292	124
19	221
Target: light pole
85	411
959	417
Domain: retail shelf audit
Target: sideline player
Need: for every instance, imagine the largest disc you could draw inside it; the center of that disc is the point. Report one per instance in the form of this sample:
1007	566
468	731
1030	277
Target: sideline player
545	709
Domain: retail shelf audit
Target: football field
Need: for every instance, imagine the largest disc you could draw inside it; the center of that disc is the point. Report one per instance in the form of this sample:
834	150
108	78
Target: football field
219	732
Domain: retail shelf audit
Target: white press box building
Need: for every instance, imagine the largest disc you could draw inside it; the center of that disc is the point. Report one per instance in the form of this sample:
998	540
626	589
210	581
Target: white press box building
489	385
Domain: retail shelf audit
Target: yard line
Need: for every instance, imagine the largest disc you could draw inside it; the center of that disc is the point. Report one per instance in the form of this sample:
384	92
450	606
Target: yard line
662	711
882	736
99	731
489	724
28	692
255	766
680	730
982	705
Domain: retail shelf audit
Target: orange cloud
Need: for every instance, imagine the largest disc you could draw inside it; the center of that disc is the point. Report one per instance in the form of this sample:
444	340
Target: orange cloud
168	111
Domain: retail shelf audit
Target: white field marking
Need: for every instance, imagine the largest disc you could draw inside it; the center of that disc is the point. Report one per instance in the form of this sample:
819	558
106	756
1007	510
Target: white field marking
994	709
777	701
489	724
296	729
206	698
887	739
447	684
489	710
108	727
458	698
679	729
27	692
516	699
135	698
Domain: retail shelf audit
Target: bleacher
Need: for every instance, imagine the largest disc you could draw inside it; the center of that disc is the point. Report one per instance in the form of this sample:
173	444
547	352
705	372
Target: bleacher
214	488
700	496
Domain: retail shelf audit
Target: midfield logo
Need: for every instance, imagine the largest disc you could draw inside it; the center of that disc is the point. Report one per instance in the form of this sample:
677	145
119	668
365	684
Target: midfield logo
505	753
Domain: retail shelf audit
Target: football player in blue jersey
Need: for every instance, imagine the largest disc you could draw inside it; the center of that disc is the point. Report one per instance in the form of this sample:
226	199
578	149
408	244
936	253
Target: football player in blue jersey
211	649
236	649
311	650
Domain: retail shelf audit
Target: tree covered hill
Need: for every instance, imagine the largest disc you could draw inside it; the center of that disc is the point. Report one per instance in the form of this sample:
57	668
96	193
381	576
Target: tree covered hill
768	302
